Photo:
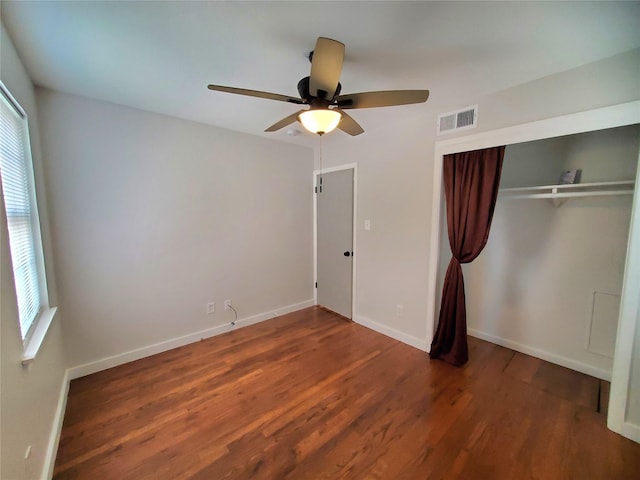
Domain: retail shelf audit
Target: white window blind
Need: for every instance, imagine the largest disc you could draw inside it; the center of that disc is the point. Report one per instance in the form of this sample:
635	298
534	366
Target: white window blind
19	200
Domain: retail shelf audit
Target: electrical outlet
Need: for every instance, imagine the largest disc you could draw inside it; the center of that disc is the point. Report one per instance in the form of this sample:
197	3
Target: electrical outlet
227	304
399	311
211	307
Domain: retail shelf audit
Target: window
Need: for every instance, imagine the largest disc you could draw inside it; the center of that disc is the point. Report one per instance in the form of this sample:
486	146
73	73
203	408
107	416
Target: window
16	169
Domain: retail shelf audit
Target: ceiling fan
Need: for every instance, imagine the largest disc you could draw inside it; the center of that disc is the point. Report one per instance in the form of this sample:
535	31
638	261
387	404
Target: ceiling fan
321	91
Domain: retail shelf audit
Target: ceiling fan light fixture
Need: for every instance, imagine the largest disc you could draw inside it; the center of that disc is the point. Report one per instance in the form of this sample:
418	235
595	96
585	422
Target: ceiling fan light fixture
320	120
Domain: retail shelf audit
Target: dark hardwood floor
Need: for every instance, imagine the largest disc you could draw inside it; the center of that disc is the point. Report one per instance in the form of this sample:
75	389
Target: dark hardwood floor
312	396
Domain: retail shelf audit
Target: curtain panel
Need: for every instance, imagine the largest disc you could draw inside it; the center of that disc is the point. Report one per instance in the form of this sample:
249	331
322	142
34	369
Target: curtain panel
471	181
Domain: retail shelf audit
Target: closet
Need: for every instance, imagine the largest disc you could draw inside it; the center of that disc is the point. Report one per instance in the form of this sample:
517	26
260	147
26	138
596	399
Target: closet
549	281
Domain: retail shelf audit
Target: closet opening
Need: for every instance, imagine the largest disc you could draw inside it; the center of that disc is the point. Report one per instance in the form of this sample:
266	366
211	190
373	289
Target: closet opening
549	282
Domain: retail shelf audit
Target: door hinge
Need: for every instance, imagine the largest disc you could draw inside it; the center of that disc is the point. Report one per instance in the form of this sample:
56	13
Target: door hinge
316	189
316	284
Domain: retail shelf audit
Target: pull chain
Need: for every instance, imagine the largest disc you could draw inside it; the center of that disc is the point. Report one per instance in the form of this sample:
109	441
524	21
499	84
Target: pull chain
320	189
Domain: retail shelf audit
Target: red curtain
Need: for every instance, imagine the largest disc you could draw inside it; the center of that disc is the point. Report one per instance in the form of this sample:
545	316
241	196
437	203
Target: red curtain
471	182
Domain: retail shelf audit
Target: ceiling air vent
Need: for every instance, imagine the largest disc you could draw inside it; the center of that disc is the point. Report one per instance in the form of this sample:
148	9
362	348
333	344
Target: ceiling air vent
459	120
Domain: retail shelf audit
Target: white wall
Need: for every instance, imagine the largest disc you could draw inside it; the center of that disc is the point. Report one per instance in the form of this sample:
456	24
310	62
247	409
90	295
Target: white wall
154	217
633	408
533	285
28	396
395	177
392	257
624	403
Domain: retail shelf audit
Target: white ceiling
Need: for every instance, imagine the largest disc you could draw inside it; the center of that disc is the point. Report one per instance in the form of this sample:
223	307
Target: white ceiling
160	56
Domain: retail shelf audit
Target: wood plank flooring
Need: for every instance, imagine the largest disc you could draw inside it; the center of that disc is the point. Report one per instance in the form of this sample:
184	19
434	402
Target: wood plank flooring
312	396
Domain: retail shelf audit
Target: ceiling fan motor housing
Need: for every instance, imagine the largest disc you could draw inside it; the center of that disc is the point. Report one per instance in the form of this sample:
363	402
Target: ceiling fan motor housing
303	91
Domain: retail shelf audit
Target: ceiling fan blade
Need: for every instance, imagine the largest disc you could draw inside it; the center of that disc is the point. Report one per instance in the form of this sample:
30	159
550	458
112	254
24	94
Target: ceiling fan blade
326	67
382	99
284	122
349	125
256	93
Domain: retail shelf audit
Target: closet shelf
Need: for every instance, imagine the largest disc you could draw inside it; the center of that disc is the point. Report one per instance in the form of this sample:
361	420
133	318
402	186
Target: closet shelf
559	193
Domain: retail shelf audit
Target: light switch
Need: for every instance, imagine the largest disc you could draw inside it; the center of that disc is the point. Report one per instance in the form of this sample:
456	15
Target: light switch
367	224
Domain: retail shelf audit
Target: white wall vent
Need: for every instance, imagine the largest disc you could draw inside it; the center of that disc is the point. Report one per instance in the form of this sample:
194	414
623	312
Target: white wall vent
462	119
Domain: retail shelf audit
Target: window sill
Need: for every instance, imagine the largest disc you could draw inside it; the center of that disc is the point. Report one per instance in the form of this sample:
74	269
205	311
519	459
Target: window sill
35	342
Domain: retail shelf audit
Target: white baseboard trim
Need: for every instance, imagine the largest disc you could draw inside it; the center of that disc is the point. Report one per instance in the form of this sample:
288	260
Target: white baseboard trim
392	332
56	430
631	431
137	354
543	355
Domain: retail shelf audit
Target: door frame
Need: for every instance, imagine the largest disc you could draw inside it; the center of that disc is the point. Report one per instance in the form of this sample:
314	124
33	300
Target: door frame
337	168
629	319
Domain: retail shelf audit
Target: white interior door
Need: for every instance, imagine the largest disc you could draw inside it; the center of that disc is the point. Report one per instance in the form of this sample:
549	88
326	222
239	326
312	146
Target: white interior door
334	234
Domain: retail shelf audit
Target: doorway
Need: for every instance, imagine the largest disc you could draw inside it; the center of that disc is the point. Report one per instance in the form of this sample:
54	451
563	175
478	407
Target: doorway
334	211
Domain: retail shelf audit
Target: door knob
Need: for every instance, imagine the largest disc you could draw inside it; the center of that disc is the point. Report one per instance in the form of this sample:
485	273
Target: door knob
348	253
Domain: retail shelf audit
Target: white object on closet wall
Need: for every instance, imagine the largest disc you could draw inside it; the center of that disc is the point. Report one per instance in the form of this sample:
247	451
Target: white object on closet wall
604	320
